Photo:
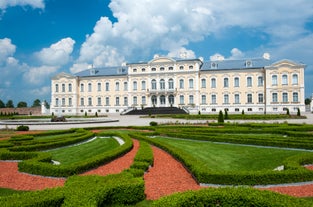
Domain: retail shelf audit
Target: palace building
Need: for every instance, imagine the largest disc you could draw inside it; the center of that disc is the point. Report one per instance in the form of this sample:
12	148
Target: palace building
255	85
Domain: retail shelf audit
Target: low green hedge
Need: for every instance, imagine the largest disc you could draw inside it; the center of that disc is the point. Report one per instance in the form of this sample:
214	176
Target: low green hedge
230	197
41	165
46	198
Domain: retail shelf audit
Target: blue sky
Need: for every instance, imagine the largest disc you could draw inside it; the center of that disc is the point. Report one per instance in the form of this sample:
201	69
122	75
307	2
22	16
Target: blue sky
40	38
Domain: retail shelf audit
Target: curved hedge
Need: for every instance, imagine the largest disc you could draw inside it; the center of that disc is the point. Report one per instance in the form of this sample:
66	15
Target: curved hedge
231	197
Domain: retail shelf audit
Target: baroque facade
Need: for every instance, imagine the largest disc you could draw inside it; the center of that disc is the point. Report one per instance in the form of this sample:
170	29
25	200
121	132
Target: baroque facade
255	85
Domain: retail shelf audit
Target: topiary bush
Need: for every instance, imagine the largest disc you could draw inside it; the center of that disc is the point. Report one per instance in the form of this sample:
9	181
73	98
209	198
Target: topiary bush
153	123
22	128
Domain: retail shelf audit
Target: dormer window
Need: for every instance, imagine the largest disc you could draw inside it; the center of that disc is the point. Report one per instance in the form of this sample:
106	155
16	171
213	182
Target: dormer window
170	68
143	70
214	65
135	70
153	69
248	63
190	67
181	67
161	68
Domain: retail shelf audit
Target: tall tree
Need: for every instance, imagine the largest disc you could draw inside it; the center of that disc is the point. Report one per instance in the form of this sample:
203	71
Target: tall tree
2	105
9	104
307	101
21	104
36	102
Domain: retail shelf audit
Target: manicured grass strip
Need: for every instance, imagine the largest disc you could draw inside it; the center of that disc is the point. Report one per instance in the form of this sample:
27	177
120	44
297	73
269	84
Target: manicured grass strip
72	154
230	158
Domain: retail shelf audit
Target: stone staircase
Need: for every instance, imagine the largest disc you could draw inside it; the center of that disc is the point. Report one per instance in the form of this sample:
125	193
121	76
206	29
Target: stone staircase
156	110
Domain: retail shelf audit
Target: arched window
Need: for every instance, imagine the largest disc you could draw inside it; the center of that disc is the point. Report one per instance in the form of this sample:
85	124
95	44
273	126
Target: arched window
285	79
171	84
162	100
181	83
190	83
274	80
56	87
81	87
213	83
153	84
162	84
117	86
249	81
226	83
203	83
70	88
171	99
89	87
154	100
63	87
135	85
295	79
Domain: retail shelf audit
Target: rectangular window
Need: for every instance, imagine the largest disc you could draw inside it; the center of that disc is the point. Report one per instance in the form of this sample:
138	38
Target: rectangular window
63	87
117	86
82	102
135	100
249	81
117	101
249	98
125	101
203	99
274	97
89	102
260	97
107	101
226	83
226	99
135	85
143	85
191	99
213	83
143	100
99	101
99	86
56	87
236	82
203	83
260	81
285	97
237	99
181	99
107	86
190	83
89	87
63	101
70	88
125	86
181	84
70	103
274	80
295	97
213	99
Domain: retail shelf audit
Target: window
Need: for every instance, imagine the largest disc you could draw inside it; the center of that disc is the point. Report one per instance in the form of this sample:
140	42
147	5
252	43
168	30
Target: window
89	101
190	67
99	86
107	86
170	68
89	87
171	99
285	80
82	101
295	79
181	99
162	100
181	67
295	97
237	99
274	97
63	102
135	100
181	84
82	87
203	99
63	87
143	100
161	68
107	101
135	70
70	102
236	82
135	85
203	83
143	85
162	84
274	80
153	84
225	82
56	87
285	97
249	81
125	86
213	83
70	88
99	101
226	99
125	101
154	100
191	99
171	84
260	81
190	83
249	98
117	86
143	70
260	98
117	101
153	69
213	99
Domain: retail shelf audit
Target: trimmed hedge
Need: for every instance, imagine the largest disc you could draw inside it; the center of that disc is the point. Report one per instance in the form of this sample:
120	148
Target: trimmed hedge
41	165
230	197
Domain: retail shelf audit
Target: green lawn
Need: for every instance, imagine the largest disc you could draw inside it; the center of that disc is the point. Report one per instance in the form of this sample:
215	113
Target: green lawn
230	157
72	154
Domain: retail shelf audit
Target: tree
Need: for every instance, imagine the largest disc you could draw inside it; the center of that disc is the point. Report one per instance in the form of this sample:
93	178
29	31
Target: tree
2	105
36	103
298	112
9	104
307	101
220	117
226	114
21	104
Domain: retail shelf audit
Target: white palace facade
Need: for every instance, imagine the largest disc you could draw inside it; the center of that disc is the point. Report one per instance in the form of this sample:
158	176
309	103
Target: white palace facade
255	85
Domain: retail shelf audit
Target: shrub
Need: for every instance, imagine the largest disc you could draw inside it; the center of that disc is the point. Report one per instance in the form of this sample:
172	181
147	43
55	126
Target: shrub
298	112
220	117
243	112
153	123
22	128
287	112
226	114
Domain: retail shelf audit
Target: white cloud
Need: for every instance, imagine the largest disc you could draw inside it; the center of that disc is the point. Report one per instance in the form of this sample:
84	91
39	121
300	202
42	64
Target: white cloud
43	91
7	49
182	53
236	54
11	3
37	75
57	54
217	56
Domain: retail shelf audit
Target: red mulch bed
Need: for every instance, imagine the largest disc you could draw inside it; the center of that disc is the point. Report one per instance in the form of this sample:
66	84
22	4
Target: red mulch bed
117	165
167	176
11	178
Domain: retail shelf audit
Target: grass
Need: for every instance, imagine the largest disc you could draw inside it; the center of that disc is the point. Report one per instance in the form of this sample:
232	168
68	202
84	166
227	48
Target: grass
72	154
7	192
230	157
